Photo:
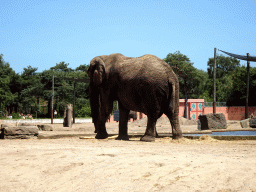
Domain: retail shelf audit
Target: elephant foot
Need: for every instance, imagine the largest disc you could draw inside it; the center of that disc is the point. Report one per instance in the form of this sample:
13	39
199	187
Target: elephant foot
177	136
148	138
101	135
123	137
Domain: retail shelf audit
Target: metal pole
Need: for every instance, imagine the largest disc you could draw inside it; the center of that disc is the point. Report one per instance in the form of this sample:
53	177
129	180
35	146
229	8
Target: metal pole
247	87
74	101
52	98
214	83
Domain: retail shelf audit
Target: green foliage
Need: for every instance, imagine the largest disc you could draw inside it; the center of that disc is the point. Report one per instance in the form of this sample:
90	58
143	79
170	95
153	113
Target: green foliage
238	92
190	78
224	65
8	94
83	108
84	112
15	116
3	112
24	91
62	67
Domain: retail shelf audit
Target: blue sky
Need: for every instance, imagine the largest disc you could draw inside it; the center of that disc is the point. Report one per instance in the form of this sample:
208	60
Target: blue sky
42	33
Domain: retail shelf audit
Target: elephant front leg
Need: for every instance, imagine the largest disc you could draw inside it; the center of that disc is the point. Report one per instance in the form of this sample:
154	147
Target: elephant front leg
101	131
123	120
106	109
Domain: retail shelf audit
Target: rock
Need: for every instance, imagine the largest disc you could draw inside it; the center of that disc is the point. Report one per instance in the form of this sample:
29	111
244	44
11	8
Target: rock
4	125
27	124
252	122
45	128
21	132
244	123
8	125
68	116
213	121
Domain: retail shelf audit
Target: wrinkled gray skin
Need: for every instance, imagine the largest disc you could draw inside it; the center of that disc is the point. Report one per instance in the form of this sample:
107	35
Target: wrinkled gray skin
146	84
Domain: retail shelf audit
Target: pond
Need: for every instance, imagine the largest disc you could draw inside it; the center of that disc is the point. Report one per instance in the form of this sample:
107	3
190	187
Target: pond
226	133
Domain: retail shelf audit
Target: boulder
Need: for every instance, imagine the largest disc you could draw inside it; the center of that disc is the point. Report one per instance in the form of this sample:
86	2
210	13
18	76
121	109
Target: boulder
21	132
68	116
213	121
252	122
4	125
27	124
45	128
8	125
245	123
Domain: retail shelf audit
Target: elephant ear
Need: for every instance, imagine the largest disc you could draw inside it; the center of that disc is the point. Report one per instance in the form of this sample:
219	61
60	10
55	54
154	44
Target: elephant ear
98	71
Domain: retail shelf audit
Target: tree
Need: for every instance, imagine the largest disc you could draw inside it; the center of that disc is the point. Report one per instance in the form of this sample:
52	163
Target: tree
224	65
31	90
64	85
238	92
8	96
62	67
82	68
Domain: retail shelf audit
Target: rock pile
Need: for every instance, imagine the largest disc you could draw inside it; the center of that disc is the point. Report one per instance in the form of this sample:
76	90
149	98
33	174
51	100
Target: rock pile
20	132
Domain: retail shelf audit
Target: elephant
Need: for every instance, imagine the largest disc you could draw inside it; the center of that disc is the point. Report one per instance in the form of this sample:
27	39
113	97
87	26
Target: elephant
145	84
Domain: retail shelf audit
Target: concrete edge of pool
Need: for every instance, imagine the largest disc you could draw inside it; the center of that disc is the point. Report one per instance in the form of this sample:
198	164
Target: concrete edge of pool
189	135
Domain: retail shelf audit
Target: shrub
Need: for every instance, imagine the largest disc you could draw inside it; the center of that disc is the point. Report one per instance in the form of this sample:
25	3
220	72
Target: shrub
84	112
15	115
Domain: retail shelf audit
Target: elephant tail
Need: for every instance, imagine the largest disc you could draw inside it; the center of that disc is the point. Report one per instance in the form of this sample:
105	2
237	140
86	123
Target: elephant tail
174	96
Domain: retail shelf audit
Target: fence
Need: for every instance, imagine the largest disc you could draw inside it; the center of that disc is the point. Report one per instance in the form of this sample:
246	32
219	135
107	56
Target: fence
195	107
218	104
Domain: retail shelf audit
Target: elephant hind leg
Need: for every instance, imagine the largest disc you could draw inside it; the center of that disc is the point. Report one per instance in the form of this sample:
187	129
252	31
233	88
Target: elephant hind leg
150	133
174	120
123	121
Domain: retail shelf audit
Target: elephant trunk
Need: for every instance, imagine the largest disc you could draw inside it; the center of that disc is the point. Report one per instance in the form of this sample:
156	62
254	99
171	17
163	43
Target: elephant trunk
95	104
96	73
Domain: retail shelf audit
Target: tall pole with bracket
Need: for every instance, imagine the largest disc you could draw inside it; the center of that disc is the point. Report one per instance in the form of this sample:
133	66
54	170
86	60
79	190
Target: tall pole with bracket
52	98
247	88
214	83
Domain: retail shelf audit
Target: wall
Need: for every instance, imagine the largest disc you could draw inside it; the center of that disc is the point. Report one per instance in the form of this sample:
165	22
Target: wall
231	113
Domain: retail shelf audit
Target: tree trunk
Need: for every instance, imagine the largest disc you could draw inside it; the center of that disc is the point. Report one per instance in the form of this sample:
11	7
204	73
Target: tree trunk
186	106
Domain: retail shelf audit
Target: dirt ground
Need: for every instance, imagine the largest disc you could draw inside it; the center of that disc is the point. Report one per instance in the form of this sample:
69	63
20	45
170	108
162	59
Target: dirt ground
73	164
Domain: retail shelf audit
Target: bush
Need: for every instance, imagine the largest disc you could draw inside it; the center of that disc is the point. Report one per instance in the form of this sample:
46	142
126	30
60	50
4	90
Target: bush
84	112
15	115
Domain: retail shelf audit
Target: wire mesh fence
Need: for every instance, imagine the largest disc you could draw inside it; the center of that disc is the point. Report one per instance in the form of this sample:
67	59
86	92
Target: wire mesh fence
218	104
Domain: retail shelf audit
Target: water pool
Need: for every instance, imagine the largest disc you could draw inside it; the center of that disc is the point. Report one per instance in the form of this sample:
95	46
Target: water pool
226	133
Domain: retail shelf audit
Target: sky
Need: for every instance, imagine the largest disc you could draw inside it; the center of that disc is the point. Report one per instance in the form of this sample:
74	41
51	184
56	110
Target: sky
42	33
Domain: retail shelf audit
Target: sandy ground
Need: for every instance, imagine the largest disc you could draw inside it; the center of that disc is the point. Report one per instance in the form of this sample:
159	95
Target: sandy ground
73	164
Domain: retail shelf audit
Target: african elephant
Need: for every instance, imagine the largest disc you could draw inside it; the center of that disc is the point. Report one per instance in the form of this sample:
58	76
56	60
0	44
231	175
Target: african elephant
146	84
